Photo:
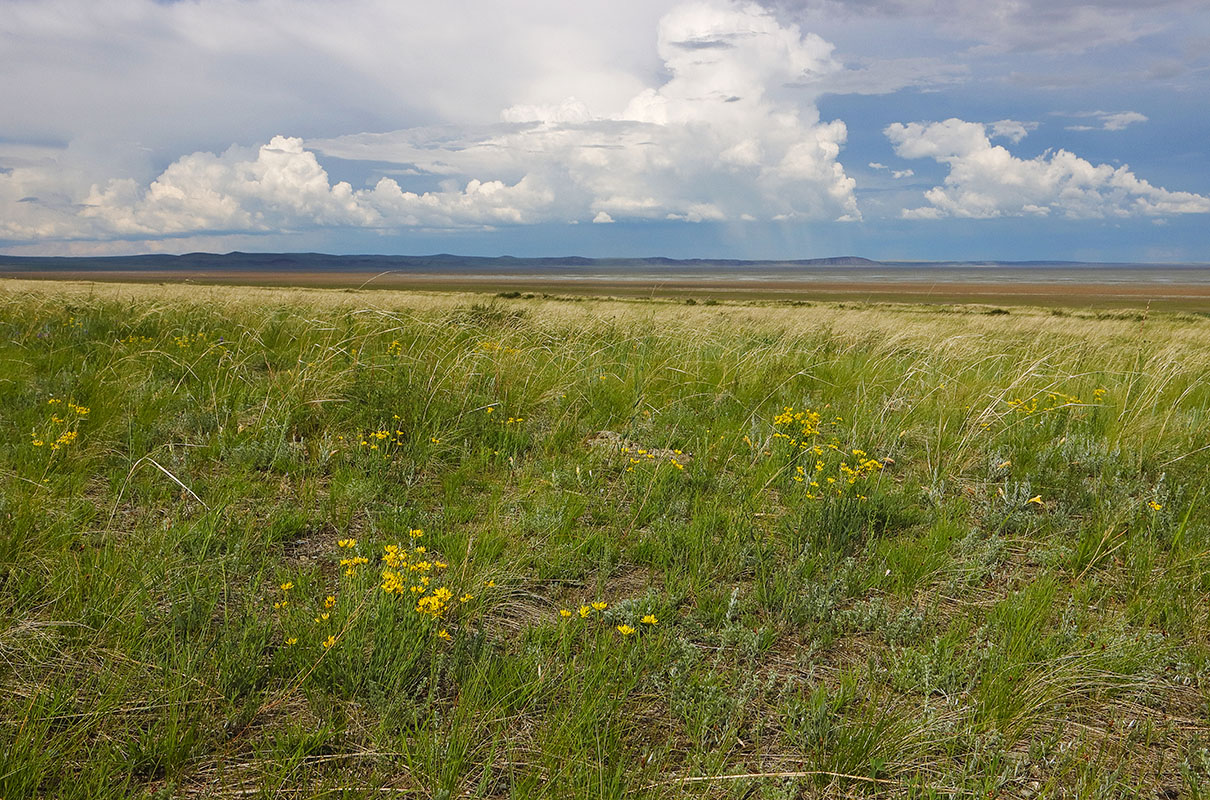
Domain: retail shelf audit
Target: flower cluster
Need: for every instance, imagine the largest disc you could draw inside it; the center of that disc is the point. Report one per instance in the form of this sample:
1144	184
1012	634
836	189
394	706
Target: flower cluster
351	562
409	571
61	430
829	470
642	456
381	439
185	340
1053	401
597	608
800	424
406	571
496	347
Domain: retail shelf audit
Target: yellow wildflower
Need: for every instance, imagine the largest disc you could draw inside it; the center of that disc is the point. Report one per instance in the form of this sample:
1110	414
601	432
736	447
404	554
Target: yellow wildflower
564	613
625	630
649	619
331	640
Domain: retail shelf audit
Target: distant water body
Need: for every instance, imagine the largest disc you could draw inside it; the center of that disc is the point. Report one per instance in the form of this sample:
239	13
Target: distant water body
1117	274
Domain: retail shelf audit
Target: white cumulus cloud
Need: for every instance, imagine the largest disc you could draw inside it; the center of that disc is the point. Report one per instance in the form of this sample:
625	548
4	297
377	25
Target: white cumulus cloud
730	134
1011	129
986	180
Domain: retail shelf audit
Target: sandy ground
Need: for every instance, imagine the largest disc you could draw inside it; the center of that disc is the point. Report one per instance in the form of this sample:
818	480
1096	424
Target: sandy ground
1117	294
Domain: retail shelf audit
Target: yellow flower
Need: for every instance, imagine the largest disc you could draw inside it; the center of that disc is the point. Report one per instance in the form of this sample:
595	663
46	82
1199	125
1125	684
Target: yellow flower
466	598
584	612
292	640
330	601
1154	505
1037	499
347	543
287	586
444	634
625	630
281	604
331	640
600	606
649	619
564	613
489	584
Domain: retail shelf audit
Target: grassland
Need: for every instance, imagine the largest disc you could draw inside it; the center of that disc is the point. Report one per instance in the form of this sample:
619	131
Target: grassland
749	551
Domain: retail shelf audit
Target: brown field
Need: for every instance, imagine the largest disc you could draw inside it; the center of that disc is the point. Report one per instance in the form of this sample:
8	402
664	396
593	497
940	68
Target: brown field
1051	294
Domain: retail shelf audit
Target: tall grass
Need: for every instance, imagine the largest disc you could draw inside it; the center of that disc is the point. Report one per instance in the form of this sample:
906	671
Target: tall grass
641	548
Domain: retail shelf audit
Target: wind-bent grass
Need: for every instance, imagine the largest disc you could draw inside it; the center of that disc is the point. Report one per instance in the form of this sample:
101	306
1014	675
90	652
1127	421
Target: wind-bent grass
305	543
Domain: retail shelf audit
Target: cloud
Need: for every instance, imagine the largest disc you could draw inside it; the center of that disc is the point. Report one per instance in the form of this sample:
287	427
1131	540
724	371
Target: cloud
1109	120
283	187
902	173
279	187
1011	129
731	132
722	138
209	72
889	75
985	180
1060	26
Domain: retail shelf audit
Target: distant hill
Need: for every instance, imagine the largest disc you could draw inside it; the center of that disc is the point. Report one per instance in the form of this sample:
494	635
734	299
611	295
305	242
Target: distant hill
203	264
320	262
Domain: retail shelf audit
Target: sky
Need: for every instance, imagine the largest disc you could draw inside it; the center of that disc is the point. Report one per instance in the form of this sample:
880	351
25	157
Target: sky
890	129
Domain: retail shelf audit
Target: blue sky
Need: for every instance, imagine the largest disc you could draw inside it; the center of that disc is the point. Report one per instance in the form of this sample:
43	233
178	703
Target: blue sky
894	129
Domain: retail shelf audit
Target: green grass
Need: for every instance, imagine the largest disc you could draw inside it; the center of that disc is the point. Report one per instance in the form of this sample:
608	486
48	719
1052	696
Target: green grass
1004	593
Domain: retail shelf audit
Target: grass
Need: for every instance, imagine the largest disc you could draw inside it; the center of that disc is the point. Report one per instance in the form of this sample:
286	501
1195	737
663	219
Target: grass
212	502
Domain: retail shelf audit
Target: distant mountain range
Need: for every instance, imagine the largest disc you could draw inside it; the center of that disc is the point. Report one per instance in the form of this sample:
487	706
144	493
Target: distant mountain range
320	262
444	262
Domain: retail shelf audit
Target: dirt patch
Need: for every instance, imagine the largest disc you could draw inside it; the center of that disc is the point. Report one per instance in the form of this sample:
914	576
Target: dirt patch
618	442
